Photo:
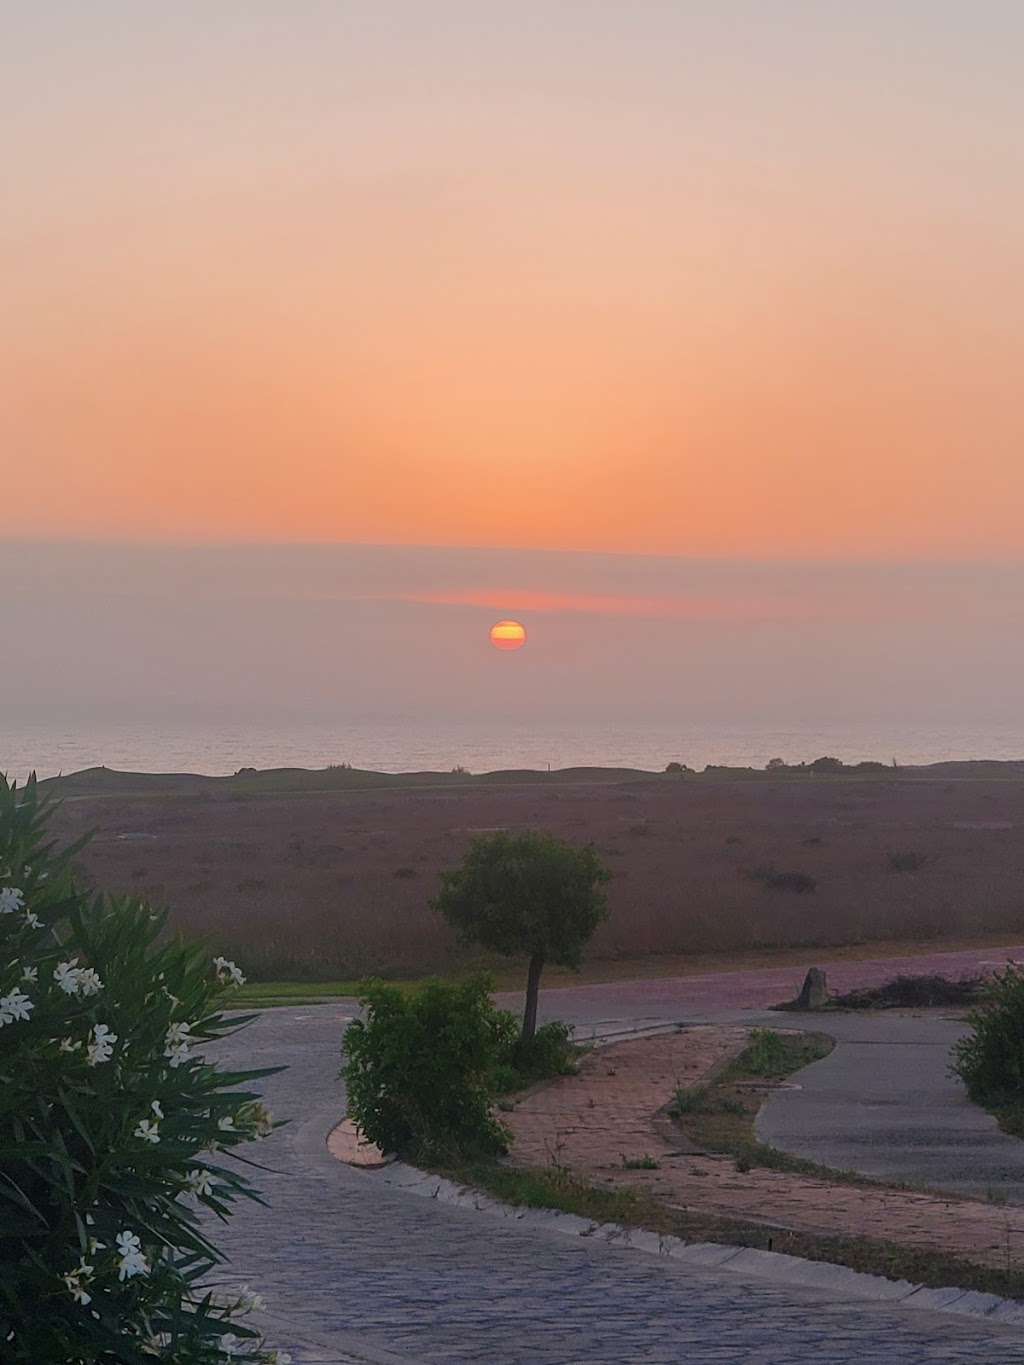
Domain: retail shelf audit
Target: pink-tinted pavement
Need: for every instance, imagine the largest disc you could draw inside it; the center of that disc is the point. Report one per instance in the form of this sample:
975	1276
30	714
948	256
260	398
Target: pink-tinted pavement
681	997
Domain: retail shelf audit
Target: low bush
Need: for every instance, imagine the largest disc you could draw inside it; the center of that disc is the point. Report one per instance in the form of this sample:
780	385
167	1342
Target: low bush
115	1132
766	1054
799	883
907	861
419	1069
990	1059
550	1052
914	992
690	1100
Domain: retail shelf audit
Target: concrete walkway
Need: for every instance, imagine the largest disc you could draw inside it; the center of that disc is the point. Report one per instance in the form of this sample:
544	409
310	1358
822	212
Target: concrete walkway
354	1270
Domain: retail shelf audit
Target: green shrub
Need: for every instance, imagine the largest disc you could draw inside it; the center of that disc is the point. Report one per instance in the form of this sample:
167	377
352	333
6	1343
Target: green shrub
550	1052
419	1069
765	1054
797	882
907	861
731	1104
114	1131
691	1100
990	1059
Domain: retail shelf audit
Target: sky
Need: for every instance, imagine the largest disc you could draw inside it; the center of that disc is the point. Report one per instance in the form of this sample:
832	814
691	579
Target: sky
666	324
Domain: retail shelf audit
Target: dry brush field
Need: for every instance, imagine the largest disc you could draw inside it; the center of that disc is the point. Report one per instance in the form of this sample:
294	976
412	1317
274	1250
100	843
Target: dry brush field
337	884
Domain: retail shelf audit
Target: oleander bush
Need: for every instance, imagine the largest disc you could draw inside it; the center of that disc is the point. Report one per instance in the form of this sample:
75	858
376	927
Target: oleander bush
419	1069
116	1136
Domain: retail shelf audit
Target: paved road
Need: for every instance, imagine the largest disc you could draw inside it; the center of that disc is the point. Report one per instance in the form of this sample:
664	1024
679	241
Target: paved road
356	1271
884	1103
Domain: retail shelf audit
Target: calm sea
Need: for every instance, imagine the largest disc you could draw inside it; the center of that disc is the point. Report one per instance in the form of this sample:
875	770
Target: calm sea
418	746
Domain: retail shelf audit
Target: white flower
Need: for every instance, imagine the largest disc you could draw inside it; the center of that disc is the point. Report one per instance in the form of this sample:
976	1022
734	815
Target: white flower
73	1280
155	1106
258	1119
11	899
227	972
89	982
178	1033
147	1130
131	1259
226	1124
101	1048
177	1054
200	1183
66	1045
32	920
228	1343
67	975
15	1005
30	974
75	980
249	1302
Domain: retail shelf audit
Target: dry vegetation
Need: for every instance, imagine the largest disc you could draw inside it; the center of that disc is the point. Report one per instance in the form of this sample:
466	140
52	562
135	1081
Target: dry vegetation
336	884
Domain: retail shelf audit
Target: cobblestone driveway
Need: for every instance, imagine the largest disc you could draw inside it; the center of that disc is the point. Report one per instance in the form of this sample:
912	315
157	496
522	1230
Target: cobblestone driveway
354	1271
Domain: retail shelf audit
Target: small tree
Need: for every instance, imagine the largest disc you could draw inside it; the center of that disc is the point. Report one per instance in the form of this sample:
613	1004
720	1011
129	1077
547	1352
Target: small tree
529	893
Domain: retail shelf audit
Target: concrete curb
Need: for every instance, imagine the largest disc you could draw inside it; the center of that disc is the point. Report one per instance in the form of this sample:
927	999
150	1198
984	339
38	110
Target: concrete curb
773	1267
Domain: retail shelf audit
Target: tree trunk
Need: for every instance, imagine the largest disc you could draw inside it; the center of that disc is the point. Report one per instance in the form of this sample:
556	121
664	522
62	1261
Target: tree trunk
532	987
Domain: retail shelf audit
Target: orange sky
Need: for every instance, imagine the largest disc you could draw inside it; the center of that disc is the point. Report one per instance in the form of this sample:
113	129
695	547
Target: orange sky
705	282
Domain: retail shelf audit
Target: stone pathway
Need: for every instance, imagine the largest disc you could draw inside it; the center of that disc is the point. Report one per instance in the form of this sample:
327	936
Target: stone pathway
355	1271
594	1120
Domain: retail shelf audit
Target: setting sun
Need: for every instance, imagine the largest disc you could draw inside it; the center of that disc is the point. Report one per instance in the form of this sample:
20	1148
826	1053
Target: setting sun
508	635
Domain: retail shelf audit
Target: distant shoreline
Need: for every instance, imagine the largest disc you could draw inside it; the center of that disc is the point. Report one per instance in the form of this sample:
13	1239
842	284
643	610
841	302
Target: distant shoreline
110	782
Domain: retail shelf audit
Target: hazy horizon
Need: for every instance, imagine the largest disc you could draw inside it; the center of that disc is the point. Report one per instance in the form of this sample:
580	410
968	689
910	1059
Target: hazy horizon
279	632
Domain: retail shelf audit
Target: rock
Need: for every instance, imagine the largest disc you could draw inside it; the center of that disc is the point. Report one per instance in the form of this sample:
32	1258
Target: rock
814	992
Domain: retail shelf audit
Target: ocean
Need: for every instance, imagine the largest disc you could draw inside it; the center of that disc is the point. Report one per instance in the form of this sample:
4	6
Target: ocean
418	745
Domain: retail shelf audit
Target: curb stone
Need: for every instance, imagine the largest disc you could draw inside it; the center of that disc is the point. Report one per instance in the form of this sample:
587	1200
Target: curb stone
774	1266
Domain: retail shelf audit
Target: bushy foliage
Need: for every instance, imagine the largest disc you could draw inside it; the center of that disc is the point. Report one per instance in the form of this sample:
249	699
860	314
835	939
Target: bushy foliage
799	883
419	1068
908	860
990	1059
114	1132
549	1053
765	1053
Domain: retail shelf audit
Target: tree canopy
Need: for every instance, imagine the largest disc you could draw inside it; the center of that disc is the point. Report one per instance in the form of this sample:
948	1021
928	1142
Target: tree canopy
529	893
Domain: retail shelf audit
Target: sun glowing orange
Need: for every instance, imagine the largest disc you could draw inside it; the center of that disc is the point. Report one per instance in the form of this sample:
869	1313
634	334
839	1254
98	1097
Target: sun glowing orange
508	635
